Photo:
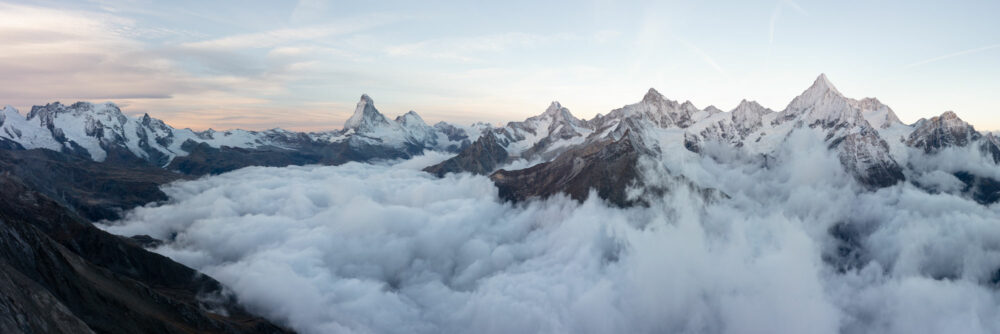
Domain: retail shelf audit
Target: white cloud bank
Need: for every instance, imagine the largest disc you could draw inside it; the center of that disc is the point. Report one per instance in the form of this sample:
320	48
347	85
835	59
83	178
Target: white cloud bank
389	249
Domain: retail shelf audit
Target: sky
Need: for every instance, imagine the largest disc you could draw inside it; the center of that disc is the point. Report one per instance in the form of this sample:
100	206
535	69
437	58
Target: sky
303	65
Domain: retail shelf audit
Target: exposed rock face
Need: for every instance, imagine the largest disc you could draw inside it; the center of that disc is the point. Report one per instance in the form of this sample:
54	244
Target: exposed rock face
93	190
942	131
867	157
607	166
28	307
110	284
991	147
482	157
543	136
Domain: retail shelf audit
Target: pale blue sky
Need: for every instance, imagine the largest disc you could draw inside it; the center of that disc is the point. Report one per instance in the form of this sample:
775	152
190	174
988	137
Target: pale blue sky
303	65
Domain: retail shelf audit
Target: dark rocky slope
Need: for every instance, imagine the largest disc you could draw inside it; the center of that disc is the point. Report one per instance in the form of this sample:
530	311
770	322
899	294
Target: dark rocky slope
206	160
608	167
94	190
482	157
71	272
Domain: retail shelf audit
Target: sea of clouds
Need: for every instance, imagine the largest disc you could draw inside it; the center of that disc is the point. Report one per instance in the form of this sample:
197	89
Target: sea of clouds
386	248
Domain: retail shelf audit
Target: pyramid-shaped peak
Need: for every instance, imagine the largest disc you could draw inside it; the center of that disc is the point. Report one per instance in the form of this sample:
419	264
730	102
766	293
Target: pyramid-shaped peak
365	117
823	83
822	100
652	95
554	107
558	112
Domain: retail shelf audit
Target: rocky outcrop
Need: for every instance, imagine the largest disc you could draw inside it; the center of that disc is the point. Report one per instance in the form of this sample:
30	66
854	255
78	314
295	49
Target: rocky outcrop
93	190
866	156
73	272
608	167
942	131
28	307
482	157
991	147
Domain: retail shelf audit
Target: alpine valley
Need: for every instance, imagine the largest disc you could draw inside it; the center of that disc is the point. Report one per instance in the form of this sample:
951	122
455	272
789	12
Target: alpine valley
79	250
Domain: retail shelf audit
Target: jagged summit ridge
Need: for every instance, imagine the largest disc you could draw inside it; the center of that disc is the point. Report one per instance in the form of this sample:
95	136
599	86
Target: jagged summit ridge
942	131
102	131
852	129
865	133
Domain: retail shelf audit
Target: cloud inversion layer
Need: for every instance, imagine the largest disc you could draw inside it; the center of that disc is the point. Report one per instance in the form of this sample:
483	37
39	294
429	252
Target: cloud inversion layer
390	249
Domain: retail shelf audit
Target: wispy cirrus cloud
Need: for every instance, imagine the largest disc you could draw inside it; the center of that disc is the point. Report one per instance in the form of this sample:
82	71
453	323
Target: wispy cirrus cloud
69	55
471	49
285	36
953	55
704	56
776	14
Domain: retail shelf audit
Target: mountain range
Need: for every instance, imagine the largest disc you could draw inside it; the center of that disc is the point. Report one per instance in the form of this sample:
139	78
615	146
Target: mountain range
65	166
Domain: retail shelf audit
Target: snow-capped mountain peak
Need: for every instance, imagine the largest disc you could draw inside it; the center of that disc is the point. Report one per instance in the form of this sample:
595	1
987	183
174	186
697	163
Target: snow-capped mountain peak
747	116
411	119
366	118
554	108
713	110
8	111
688	106
942	131
878	114
823	105
822	83
652	95
822	90
560	115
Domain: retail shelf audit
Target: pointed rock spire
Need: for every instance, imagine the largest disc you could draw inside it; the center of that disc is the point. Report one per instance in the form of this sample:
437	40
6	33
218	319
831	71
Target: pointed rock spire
652	95
366	118
560	114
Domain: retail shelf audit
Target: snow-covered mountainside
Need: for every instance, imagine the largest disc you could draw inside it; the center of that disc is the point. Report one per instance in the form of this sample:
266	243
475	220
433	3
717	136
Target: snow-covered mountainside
102	132
870	142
